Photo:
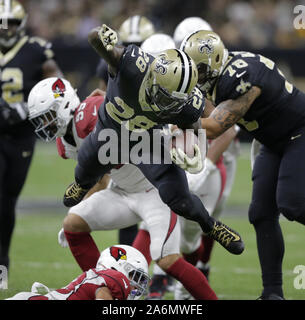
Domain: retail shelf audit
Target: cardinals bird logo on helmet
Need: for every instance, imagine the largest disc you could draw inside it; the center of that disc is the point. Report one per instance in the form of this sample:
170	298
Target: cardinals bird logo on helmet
58	88
118	253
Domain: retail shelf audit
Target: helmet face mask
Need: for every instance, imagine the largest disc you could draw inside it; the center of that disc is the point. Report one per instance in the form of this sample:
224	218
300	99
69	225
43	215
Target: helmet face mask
131	263
170	82
48	125
167	104
51	105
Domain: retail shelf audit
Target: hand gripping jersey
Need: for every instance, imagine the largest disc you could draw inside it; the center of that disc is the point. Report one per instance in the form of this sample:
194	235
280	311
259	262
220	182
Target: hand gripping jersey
126	177
125	101
277	112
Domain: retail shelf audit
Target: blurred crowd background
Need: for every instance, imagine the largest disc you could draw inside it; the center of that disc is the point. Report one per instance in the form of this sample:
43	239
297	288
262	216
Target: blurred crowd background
264	26
254	23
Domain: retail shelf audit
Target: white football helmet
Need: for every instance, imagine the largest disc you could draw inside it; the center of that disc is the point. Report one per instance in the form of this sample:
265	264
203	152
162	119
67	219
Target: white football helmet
51	105
188	26
131	263
157	43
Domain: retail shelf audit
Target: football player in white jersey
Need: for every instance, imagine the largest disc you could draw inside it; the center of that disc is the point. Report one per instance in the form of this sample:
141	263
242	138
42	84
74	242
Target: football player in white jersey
121	273
129	199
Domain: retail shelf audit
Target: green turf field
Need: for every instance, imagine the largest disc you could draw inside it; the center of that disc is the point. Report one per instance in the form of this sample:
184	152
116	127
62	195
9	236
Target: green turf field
36	255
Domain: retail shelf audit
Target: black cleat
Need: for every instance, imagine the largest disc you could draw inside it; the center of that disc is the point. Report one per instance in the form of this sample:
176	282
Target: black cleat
158	287
272	296
74	194
227	237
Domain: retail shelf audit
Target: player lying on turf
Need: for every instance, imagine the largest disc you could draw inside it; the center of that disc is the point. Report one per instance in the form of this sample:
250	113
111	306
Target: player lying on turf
121	273
131	198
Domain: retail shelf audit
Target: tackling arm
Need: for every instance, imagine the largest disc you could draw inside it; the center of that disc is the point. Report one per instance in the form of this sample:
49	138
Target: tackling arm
103	40
228	112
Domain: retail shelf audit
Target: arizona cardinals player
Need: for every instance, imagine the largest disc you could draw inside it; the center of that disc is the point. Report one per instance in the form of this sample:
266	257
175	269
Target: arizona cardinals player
130	198
121	273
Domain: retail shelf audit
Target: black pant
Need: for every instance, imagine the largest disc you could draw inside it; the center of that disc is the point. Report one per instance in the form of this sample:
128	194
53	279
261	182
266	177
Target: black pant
15	159
169	179
278	188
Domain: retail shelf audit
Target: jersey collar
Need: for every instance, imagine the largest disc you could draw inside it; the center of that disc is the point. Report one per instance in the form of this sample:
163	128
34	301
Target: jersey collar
8	56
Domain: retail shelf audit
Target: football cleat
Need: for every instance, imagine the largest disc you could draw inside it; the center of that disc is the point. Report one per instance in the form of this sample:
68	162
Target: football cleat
227	237
74	194
272	296
158	287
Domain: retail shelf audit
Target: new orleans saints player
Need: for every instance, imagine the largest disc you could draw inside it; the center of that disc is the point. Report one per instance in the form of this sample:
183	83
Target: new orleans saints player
248	89
24	61
133	30
160	91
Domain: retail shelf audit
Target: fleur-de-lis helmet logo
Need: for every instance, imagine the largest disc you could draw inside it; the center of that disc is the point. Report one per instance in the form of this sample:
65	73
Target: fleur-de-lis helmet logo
206	46
162	64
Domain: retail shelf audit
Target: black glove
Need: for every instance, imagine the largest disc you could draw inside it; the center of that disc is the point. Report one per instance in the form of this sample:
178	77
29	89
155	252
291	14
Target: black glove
12	114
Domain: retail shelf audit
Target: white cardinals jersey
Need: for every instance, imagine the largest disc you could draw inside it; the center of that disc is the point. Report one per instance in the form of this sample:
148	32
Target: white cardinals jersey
126	177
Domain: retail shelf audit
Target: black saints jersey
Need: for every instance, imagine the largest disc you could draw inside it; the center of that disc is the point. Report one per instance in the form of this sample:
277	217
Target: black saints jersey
280	108
126	102
20	70
102	70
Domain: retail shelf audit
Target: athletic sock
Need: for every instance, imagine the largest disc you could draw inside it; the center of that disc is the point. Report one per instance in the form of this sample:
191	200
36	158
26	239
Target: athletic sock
207	244
142	243
83	249
270	245
192	279
194	256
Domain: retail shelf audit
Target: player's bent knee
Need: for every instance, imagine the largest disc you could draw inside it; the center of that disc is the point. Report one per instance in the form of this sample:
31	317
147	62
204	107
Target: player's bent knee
74	223
259	213
166	262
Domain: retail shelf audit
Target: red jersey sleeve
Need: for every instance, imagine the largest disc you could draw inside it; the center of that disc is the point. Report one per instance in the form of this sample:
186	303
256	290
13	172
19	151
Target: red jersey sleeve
86	114
116	282
61	148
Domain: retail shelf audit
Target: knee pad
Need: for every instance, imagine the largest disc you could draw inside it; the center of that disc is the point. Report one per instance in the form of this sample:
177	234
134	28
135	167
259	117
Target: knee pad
291	206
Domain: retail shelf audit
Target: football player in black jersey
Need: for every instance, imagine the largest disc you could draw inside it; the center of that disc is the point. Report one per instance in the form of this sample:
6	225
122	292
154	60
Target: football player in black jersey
249	90
143	93
24	61
133	30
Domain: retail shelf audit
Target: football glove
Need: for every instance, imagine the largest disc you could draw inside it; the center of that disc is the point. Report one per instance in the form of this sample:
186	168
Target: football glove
198	180
62	239
196	163
108	37
13	113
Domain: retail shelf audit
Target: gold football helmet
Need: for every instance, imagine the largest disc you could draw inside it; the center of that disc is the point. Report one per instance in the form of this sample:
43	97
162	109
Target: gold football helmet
170	82
135	30
13	18
209	54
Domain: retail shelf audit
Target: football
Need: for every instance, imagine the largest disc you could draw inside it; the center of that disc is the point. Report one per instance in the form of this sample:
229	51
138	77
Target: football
185	140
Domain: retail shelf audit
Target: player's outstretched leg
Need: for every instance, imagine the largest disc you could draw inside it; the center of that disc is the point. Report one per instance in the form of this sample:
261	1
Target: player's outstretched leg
172	184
